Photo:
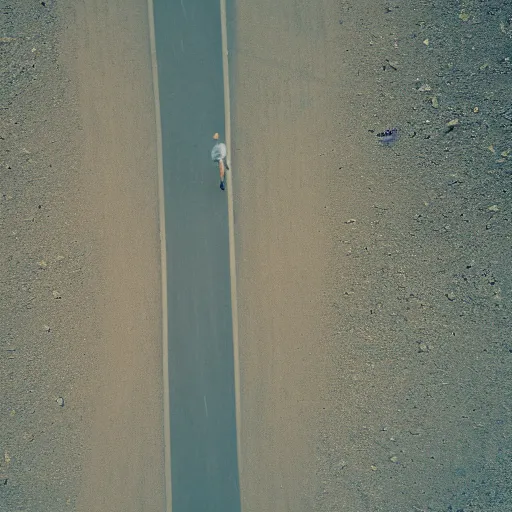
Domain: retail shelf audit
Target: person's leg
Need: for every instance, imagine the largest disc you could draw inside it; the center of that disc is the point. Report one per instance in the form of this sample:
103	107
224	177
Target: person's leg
221	172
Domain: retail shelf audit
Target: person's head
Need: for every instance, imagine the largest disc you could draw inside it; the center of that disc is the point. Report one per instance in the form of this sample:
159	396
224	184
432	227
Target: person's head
215	136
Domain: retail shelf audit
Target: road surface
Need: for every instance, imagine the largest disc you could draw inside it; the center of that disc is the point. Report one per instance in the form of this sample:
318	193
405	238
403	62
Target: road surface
204	468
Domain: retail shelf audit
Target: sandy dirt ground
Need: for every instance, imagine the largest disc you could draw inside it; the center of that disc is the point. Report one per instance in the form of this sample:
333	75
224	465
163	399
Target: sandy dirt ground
374	282
281	98
81	364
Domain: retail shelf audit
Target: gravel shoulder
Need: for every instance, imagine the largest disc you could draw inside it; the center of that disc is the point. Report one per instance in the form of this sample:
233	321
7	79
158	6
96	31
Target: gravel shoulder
374	281
81	363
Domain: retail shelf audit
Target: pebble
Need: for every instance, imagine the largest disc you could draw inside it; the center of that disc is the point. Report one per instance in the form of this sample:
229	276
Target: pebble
56	294
60	401
423	347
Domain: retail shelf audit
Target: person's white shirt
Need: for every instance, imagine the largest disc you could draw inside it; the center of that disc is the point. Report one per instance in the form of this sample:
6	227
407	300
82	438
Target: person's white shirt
219	152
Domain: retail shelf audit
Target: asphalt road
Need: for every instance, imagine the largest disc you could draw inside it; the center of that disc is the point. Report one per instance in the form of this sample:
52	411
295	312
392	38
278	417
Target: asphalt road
204	470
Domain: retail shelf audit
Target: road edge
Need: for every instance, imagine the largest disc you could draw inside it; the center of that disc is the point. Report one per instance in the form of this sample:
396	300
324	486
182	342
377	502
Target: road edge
232	255
163	263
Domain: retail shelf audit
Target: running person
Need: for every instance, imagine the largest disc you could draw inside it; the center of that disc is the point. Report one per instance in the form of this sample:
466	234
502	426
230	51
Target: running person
219	154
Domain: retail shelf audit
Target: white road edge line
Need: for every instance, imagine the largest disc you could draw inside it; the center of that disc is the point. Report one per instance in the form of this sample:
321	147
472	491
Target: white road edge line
163	264
232	259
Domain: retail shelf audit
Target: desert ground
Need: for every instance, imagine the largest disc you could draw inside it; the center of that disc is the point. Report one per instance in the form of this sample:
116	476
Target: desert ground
382	366
374	285
82	416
